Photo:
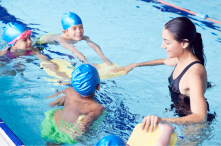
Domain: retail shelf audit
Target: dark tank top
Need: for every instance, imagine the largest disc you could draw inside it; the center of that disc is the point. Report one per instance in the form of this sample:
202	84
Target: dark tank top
182	107
174	84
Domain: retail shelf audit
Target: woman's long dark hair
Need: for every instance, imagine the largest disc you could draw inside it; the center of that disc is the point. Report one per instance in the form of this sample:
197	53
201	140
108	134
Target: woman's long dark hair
183	28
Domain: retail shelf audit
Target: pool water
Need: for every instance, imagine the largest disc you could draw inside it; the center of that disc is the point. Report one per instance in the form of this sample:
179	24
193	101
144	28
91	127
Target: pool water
128	31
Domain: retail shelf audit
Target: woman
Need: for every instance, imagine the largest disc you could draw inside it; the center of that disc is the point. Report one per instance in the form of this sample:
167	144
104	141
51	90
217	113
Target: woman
184	50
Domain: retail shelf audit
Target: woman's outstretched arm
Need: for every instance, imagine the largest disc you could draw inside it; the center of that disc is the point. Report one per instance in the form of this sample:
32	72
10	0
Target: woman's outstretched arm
169	62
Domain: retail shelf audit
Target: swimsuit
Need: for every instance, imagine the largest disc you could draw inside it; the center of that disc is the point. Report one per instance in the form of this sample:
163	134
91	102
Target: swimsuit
174	84
9	54
51	132
65	132
182	107
42	44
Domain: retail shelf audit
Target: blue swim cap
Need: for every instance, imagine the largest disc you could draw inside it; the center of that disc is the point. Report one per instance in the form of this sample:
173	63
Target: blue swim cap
110	140
11	31
85	79
70	19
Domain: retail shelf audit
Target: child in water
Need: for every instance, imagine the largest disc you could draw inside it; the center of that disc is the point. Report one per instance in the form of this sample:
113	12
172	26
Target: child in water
164	139
72	33
66	125
18	37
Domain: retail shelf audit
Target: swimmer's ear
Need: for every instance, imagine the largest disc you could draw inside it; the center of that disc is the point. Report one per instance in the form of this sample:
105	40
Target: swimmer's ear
98	87
64	31
14	46
185	43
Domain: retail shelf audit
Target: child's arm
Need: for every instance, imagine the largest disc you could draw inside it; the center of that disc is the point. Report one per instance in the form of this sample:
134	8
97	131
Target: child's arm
63	43
47	38
56	94
165	137
59	101
97	49
71	48
3	52
52	66
89	119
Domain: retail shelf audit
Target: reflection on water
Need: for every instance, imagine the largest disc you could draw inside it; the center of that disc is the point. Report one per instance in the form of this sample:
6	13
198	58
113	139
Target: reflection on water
181	106
192	134
8	68
195	134
119	120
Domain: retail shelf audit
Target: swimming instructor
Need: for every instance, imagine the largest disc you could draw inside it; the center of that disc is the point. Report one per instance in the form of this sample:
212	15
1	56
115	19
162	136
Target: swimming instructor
184	50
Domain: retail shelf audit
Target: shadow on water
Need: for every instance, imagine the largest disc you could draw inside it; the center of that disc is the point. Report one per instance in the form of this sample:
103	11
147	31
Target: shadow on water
119	120
181	106
60	54
195	133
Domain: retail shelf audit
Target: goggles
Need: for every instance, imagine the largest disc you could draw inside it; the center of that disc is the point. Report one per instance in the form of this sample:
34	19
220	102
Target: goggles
22	36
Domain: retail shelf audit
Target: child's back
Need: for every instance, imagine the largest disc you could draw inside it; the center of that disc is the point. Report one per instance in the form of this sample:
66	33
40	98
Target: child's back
76	106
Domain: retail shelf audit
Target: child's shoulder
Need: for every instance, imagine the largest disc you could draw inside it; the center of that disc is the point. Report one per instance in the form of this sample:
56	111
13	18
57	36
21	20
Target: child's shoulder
99	109
48	38
70	92
69	89
3	52
85	38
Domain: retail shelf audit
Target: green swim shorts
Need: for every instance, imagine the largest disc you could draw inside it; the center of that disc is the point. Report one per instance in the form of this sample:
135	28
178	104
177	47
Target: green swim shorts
51	133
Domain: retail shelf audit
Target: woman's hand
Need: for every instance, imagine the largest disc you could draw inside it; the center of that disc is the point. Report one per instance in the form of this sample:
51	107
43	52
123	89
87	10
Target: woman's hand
126	68
150	121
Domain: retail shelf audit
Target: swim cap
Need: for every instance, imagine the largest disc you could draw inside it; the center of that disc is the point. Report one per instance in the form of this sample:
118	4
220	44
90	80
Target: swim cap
110	140
85	79
11	31
70	19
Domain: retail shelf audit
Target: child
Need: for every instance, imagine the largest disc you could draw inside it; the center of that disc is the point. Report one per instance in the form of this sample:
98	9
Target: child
167	131
111	140
72	33
18	37
80	110
164	139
